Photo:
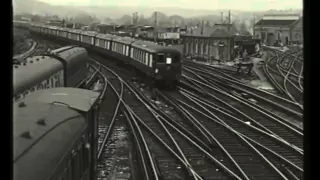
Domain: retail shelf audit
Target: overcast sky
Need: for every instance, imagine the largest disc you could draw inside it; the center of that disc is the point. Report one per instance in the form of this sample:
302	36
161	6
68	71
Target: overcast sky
189	4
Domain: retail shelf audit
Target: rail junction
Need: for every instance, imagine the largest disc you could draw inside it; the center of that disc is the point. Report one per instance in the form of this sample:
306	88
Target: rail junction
213	125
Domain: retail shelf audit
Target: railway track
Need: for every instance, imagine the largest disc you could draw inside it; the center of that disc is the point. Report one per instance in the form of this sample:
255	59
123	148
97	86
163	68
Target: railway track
251	112
165	152
183	140
287	80
40	46
232	141
280	108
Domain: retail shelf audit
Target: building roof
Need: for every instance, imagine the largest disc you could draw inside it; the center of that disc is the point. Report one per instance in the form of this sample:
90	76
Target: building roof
263	22
230	28
220	33
210	32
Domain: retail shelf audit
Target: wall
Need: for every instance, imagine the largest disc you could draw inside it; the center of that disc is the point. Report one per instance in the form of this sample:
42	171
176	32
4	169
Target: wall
284	32
297	31
207	47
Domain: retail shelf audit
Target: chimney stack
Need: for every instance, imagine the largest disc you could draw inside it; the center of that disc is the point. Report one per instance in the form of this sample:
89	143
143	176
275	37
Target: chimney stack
155	26
229	21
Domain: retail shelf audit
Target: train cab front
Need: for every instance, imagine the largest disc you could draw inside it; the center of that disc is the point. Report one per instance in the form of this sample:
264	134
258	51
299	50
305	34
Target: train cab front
168	68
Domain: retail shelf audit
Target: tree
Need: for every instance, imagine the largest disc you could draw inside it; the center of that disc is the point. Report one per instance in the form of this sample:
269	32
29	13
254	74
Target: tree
135	18
36	18
142	20
83	18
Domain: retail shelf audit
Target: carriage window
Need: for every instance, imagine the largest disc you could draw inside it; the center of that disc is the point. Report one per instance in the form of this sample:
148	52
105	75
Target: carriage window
127	50
143	57
147	59
124	49
137	54
150	62
134	53
140	56
176	58
131	53
161	58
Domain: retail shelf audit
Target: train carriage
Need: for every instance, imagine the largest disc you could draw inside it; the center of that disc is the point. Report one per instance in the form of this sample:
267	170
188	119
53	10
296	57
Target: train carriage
55	135
63	67
161	62
121	48
74	36
75	60
88	37
35	28
52	31
38	72
44	30
62	33
104	41
158	62
142	56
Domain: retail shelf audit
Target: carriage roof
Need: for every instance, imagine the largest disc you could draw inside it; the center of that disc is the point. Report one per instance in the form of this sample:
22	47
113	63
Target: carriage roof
44	130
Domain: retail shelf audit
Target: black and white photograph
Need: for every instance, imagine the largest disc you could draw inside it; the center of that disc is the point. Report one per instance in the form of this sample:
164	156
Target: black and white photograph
158	90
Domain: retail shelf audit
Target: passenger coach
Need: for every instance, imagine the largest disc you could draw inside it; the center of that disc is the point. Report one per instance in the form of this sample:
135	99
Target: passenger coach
55	135
160	63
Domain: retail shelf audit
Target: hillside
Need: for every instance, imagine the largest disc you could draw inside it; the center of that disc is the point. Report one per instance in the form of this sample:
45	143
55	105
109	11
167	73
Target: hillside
36	7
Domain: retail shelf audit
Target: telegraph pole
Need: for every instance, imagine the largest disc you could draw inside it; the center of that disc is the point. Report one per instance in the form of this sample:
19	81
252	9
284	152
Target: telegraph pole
229	21
155	26
221	17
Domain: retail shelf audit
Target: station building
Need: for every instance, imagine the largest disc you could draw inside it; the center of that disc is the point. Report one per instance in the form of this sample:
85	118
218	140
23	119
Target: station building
210	43
284	29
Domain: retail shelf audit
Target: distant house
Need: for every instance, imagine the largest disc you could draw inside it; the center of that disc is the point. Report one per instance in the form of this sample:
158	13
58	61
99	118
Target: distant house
105	28
168	34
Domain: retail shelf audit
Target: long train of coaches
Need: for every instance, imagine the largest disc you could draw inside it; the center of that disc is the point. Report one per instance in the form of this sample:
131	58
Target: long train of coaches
159	63
63	67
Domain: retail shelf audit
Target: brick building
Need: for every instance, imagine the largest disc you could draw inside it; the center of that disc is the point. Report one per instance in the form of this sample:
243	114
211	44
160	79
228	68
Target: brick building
278	28
208	43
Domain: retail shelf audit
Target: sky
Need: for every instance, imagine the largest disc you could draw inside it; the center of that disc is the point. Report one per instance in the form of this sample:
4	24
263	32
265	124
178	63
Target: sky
255	5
